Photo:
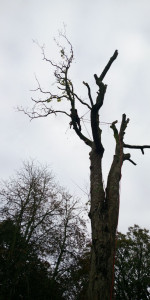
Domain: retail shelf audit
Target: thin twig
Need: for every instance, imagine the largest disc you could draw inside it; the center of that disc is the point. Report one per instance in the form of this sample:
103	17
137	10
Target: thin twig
89	92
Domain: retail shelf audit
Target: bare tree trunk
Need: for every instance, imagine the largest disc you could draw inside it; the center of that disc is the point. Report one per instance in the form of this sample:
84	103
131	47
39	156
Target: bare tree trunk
104	217
103	240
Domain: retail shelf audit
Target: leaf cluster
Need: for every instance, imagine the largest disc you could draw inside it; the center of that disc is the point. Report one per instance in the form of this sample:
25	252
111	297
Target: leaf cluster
132	265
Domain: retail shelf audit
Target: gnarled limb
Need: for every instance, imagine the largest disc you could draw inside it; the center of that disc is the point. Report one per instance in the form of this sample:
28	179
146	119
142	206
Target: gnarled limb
96	131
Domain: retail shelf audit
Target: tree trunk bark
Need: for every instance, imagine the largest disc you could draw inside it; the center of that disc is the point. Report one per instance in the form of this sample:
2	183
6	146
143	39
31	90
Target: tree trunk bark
104	219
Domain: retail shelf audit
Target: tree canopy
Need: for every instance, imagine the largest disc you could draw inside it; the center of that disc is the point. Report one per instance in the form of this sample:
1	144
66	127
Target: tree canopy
132	265
41	229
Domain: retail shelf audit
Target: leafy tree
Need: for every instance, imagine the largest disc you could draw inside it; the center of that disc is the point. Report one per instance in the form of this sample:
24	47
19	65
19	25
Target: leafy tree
80	274
104	202
45	217
22	274
132	265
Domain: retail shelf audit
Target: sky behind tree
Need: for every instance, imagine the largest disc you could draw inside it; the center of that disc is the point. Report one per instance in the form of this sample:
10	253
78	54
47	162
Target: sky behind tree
96	29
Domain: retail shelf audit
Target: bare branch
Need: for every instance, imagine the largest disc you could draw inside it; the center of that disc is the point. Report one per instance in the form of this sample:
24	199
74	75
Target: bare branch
120	135
39	88
119	141
89	92
77	129
101	77
81	101
132	162
34	114
136	147
66	91
127	156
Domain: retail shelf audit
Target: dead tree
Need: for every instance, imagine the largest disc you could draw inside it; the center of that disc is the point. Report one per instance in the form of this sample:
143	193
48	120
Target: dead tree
104	202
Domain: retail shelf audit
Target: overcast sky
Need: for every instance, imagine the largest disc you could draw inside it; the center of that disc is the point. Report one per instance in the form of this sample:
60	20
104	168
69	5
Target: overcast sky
96	29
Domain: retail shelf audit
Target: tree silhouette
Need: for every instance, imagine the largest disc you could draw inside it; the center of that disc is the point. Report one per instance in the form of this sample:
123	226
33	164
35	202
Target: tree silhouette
132	267
104	202
41	232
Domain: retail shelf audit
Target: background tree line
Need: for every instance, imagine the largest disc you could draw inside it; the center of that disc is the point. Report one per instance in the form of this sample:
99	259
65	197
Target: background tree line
45	246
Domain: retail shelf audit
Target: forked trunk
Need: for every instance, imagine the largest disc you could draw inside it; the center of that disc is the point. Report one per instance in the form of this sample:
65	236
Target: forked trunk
104	218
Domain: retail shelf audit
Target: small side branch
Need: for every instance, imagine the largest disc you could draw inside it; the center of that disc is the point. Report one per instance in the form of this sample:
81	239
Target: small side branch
115	130
81	136
81	101
127	157
89	92
75	121
123	127
132	162
119	135
41	113
136	147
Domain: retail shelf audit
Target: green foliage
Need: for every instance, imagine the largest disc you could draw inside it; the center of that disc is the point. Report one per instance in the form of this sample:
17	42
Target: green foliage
42	238
22	273
132	266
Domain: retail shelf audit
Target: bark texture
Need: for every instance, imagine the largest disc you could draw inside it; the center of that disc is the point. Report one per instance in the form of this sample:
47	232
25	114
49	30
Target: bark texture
99	274
104	218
